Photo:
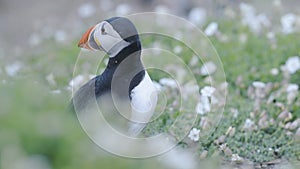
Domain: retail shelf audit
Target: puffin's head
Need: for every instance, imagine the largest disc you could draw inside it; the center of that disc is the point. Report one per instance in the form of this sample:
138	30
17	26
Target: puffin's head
111	35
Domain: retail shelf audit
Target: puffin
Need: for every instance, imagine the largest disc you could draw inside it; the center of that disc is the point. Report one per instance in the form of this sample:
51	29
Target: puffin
124	92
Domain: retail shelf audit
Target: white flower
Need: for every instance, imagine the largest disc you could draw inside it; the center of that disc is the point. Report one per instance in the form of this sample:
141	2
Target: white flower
263	20
292	93
56	91
13	68
235	112
177	49
249	17
194	60
292	88
162	9
203	106
208	68
247	9
194	134
248	124
274	71
77	81
157	86
288	22
51	80
207	91
277	3
34	39
197	16
236	158
87	10
211	29
168	82
253	21
292	65
258	84
123	9
271	35
60	36
222	147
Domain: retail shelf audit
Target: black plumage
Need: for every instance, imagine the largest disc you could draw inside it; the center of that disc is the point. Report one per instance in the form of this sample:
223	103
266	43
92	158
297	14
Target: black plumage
129	75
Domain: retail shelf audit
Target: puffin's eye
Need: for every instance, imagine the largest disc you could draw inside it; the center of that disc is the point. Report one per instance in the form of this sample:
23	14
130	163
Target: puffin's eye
103	30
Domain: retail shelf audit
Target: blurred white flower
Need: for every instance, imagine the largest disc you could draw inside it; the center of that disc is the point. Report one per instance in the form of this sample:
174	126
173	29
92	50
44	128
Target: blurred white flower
249	17
288	23
274	71
86	10
207	91
51	80
13	68
292	65
236	158
178	35
177	49
248	124
258	84
211	29
156	47
34	39
297	134
208	68
253	21
168	82
247	9
197	16
263	20
157	86
277	3
203	106
271	35
292	88
194	60
235	112
77	81
194	134
123	9
222	147
60	36
292	93
56	91
162	9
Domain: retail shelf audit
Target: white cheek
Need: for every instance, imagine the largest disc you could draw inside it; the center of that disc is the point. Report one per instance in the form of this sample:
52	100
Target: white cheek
113	45
107	42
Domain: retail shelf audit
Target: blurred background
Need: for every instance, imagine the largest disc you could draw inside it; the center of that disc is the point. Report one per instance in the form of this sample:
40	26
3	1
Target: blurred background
38	50
25	25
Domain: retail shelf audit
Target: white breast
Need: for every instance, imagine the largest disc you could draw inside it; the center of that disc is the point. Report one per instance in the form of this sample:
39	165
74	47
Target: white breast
143	103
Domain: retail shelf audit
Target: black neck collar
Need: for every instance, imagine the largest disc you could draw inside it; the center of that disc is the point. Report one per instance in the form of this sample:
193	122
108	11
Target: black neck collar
132	52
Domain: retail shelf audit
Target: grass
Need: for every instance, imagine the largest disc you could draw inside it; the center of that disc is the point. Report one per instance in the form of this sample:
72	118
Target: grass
35	121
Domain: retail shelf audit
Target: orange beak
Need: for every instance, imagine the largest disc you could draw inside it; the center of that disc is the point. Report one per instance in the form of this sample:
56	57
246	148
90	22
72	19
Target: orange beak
83	43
